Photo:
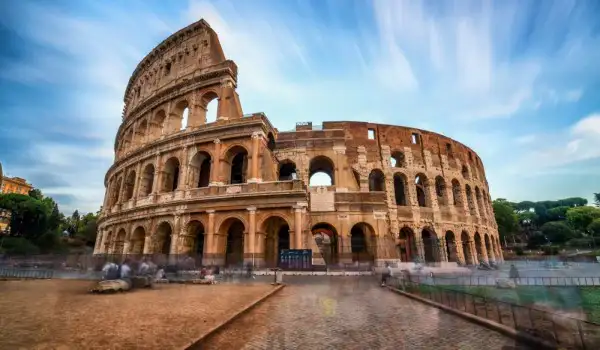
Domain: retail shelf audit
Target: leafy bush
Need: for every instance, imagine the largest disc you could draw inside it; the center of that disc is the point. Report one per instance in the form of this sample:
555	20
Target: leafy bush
19	246
519	251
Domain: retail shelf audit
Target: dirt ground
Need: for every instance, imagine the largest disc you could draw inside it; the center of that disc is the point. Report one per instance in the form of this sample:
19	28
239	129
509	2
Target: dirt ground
60	314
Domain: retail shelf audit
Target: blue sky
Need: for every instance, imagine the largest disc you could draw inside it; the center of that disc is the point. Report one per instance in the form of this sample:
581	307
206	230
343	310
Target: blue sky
519	81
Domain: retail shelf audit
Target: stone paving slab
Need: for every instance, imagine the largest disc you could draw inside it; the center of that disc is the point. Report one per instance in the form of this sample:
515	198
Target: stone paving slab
60	314
352	313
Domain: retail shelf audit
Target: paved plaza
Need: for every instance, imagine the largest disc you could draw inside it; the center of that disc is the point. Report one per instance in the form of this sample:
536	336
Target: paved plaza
350	313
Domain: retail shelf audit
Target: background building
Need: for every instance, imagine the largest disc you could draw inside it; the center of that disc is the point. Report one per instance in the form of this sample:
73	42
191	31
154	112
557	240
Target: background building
236	190
15	185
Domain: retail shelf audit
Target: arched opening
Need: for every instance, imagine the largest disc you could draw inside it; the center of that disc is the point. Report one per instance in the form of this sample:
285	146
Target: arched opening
456	195
400	189
116	195
470	200
138	238
422	187
180	116
440	190
195	237
140	132
129	185
210	101
277	238
466	245
430	245
407	244
163	238
107	242
171	175
321	172
488	245
479	201
326	239
451	251
120	242
360	235
157	124
397	160
200	170
237	158
233	229
376	181
465	172
271	141
185	118
478	246
127	141
287	171
147	180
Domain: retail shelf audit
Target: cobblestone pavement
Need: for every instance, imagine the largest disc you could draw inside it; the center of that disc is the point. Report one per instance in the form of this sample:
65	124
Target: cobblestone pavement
351	313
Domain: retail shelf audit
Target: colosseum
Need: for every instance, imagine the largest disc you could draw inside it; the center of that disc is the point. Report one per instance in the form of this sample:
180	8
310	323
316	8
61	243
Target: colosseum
235	189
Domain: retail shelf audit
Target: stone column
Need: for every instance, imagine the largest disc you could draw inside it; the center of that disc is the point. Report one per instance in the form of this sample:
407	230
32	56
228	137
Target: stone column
185	166
474	254
209	257
460	254
420	248
138	179
298	227
249	255
254	172
157	177
492	253
98	249
215	169
148	249
126	247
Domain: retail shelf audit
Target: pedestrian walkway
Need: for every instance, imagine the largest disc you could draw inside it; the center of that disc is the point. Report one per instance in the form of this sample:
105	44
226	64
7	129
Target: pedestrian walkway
351	313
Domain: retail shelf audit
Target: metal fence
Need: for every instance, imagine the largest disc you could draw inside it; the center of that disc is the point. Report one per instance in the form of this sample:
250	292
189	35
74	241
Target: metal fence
492	281
561	330
25	273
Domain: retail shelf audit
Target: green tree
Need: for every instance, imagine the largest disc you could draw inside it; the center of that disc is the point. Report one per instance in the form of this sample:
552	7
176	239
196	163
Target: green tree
597	199
28	215
506	218
594	228
557	232
581	217
36	193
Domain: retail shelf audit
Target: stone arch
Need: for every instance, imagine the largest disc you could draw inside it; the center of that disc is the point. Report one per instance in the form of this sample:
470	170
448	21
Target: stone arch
170	175
119	243
326	240
231	241
400	189
194	242
287	170
323	167
209	112
146	180
440	190
236	161
376	181
431	245
398	160
199	170
422	190
479	201
116	192
407	245
276	230
129	185
487	244
478	246
466	245
457	199
470	200
361	242
451	248
180	115
137	241
157	124
162	238
108	242
141	132
127	141
465	172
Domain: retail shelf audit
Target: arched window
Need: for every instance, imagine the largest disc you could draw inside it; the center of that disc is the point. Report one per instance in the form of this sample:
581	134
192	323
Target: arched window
376	181
171	175
287	171
465	172
456	193
321	172
147	180
421	186
237	157
400	189
397	160
440	190
200	170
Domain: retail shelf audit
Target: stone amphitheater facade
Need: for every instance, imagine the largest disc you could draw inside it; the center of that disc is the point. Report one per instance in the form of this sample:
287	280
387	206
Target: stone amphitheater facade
235	189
